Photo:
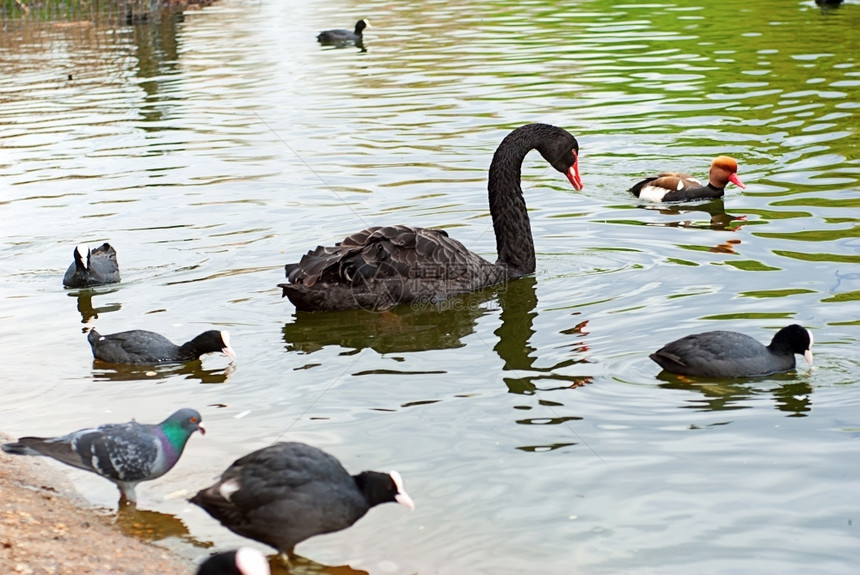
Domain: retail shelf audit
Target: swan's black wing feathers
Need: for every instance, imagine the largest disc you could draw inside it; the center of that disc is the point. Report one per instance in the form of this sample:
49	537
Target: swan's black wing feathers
401	257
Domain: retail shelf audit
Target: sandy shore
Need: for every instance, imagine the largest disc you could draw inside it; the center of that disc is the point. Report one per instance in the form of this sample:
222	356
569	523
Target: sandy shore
46	527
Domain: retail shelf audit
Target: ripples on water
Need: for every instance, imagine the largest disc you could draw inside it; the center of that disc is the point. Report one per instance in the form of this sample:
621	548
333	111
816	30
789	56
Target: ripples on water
532	430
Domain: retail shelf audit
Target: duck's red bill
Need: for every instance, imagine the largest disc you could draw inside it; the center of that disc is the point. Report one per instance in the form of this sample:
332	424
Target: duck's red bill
733	178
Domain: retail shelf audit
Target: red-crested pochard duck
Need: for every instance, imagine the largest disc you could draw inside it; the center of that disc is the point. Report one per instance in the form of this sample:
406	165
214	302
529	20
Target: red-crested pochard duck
674	186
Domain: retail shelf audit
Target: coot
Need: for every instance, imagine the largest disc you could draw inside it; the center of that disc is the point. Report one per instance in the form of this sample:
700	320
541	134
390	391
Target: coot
732	354
339	37
242	561
138	347
92	267
285	493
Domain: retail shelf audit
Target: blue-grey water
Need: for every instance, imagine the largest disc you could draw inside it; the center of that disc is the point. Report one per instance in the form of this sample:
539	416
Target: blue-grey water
532	430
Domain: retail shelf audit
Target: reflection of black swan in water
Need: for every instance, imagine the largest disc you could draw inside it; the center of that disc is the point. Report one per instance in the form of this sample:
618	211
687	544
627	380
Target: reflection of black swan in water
380	267
399	330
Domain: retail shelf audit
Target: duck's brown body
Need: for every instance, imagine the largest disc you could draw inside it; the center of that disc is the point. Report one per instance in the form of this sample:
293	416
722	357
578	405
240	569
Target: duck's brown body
676	186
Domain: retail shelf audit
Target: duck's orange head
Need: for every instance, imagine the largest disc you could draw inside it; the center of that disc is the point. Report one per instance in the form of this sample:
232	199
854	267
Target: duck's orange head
725	169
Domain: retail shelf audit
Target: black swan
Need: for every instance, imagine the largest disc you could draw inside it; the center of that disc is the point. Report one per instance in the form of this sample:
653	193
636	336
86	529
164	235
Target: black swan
140	347
732	354
92	267
125	453
285	493
344	36
674	186
381	267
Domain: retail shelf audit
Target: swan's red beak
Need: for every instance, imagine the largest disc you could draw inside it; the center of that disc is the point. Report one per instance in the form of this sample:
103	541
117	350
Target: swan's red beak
573	174
733	178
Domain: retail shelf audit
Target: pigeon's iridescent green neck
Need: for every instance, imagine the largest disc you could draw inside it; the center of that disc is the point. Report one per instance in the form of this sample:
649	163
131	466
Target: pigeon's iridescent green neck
176	436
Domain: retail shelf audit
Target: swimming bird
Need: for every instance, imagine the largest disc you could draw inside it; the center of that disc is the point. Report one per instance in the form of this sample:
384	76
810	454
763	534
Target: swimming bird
674	186
242	561
141	347
732	354
344	36
285	493
380	267
92	267
125	453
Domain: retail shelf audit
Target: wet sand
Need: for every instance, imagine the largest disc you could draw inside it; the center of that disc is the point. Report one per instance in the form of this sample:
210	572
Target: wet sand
46	527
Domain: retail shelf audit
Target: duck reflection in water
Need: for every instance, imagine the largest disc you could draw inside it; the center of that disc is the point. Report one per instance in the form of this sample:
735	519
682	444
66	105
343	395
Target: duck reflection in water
153	526
722	394
716	210
192	370
85	303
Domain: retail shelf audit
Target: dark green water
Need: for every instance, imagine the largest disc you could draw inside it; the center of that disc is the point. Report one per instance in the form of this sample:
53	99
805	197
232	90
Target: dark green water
532	430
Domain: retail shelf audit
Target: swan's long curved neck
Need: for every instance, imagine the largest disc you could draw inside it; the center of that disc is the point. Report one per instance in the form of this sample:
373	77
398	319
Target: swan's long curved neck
514	243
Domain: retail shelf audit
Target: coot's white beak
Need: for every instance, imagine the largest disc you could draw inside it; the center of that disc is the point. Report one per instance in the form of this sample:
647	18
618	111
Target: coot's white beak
83	252
227	350
402	497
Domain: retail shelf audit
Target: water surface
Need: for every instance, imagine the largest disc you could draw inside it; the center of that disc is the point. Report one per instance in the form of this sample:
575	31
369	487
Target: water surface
531	428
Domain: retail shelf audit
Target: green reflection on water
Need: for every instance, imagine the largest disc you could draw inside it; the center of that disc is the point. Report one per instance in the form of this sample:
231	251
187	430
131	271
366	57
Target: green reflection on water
775	293
752	266
750	315
847	296
820	202
828	235
775	215
848	259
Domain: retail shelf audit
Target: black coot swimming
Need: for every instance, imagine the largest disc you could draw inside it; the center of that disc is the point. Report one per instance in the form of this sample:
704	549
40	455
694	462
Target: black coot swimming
140	347
732	354
285	493
340	37
92	267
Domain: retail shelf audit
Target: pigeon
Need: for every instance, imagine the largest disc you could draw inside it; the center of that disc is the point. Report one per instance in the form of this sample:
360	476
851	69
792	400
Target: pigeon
140	347
92	267
341	37
125	453
732	354
285	493
242	561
